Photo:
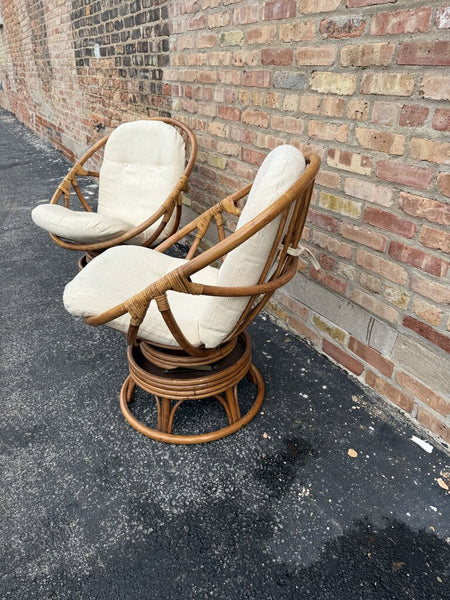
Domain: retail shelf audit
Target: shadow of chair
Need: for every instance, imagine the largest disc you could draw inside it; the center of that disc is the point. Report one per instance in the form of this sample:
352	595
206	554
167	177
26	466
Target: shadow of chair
186	319
145	168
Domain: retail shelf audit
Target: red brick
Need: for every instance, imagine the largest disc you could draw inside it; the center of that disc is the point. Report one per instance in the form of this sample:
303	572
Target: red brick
206	41
441	119
388	83
381	141
341	357
424	53
405	174
349	161
327	262
297	31
332	107
255	117
328	131
317	6
381	266
366	55
230	76
436	87
261	35
424	394
371	356
246	14
433	423
252	156
369	302
246	58
389	222
428	332
418	259
330	281
296	307
316	55
332	244
385	113
229	113
431	289
402	21
304	331
389	391
427	312
435	238
279	9
323	221
272	56
443	182
413	116
361	188
262	79
328	179
363	236
425	208
342	27
291	125
429	150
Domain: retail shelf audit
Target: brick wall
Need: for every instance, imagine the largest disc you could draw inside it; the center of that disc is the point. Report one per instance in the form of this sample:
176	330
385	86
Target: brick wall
364	83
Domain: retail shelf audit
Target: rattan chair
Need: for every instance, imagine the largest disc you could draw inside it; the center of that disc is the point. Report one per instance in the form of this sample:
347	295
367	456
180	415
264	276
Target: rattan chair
145	168
186	319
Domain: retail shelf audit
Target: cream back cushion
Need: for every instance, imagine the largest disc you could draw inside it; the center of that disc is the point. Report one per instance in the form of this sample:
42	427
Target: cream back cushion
244	265
142	163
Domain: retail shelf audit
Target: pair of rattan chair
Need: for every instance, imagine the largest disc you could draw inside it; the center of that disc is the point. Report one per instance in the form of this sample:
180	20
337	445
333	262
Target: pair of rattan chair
186	318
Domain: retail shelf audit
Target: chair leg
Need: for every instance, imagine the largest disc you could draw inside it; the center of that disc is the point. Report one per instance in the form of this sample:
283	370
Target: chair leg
233	404
164	413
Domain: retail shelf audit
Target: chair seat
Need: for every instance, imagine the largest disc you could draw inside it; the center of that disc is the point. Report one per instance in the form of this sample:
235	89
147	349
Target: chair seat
119	273
78	226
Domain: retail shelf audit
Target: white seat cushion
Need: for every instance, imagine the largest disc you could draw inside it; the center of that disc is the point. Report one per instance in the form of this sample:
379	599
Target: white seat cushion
119	273
78	226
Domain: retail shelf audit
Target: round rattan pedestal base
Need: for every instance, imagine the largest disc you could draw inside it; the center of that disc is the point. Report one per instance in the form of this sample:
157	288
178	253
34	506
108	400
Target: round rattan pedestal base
172	387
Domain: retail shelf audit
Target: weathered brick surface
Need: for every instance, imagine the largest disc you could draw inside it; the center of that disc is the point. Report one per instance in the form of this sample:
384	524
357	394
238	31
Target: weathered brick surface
387	389
364	83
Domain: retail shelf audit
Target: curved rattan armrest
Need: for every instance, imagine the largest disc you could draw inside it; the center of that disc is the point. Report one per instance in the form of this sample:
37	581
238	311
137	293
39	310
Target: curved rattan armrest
251	290
77	169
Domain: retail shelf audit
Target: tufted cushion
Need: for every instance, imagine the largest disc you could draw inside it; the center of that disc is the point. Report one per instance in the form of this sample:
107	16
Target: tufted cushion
142	163
76	225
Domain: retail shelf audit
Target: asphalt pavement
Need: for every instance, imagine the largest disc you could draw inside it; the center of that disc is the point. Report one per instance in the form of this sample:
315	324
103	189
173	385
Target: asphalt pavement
324	495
